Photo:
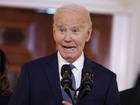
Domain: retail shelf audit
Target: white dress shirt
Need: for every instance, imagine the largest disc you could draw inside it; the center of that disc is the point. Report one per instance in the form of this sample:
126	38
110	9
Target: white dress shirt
77	71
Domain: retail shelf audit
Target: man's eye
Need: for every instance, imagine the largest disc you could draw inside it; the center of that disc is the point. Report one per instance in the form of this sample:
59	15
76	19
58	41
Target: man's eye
75	30
61	29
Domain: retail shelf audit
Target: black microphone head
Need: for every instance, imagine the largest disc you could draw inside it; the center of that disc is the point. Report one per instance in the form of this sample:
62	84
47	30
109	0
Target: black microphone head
66	68
87	79
86	82
87	69
66	80
87	72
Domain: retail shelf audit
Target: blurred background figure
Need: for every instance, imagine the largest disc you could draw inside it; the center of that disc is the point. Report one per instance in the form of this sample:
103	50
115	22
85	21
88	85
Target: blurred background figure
131	96
138	81
5	91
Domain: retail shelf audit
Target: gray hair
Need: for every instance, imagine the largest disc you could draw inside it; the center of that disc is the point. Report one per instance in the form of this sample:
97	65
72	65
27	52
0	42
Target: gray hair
74	8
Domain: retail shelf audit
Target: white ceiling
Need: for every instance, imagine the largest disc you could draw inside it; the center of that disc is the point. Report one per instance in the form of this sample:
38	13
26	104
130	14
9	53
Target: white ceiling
100	6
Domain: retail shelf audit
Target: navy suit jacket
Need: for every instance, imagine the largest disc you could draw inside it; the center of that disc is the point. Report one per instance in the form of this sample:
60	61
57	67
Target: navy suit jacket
39	84
131	96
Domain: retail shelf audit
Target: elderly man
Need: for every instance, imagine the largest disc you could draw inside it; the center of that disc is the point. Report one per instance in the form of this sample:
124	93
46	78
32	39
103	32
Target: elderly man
40	80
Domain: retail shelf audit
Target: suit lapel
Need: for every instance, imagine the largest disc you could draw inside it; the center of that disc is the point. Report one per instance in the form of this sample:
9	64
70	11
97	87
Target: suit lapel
53	77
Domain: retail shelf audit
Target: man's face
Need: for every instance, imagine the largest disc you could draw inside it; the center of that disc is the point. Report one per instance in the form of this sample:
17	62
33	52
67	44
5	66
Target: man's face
71	32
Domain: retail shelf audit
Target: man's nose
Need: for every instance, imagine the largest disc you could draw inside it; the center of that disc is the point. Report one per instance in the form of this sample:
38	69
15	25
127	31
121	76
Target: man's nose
67	36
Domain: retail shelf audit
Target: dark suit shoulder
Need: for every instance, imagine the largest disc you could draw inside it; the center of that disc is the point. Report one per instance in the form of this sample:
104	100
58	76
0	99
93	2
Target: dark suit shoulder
40	64
42	60
101	69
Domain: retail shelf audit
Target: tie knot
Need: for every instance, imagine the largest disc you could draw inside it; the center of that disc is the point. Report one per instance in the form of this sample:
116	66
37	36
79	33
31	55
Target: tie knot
72	66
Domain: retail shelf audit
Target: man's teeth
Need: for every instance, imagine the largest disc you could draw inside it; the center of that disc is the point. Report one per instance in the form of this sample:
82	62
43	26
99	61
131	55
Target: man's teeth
68	47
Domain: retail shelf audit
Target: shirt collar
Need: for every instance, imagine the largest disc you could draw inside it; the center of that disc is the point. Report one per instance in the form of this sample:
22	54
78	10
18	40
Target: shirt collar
78	63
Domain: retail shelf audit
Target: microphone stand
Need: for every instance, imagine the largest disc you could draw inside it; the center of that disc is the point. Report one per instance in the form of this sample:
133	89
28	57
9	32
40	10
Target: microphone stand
74	98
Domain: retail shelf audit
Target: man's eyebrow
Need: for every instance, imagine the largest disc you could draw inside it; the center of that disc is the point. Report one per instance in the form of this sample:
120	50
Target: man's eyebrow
58	24
71	26
77	26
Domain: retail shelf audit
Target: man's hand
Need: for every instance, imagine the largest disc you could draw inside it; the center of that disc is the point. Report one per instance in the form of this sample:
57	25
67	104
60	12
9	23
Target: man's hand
66	103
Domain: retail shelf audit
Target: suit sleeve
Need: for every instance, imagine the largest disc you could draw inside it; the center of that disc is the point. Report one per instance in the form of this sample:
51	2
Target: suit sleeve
21	94
113	97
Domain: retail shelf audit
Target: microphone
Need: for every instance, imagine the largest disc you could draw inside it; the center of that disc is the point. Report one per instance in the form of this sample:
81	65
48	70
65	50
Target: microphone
87	82
66	81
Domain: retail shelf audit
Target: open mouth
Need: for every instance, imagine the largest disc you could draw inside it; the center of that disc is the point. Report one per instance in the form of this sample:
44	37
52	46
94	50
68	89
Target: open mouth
69	48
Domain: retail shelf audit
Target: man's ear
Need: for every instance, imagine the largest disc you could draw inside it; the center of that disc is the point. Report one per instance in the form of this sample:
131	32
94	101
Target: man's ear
54	31
89	33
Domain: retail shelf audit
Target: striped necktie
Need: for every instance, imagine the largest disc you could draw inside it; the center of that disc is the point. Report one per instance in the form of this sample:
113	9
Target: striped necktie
73	77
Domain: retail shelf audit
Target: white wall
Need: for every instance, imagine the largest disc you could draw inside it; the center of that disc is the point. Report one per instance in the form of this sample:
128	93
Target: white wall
135	40
130	67
119	51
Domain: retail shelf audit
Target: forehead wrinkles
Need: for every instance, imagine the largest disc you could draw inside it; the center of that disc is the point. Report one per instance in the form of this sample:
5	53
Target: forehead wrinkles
74	12
70	19
70	8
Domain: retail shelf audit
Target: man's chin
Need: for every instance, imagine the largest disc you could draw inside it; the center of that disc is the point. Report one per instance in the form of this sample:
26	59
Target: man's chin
69	58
